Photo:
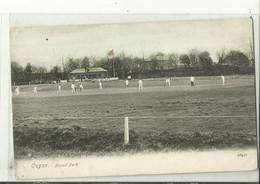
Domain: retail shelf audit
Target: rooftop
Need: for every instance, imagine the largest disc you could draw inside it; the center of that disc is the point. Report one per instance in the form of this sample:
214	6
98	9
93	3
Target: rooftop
79	70
96	69
92	69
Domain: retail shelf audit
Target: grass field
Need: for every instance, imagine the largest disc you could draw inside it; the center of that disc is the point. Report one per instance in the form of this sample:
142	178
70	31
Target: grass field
206	116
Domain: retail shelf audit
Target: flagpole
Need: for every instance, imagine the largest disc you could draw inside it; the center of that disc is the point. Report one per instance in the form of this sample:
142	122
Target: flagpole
114	66
111	53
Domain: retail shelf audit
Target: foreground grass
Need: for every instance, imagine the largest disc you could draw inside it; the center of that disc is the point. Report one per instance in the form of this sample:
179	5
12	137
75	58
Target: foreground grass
81	125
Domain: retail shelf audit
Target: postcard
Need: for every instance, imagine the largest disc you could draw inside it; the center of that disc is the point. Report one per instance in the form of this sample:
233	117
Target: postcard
133	98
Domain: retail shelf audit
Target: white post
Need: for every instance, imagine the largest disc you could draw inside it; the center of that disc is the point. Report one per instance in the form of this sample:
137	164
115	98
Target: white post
126	133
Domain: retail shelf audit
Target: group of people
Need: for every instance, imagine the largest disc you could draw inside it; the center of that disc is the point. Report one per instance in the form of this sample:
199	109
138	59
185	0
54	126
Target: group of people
192	80
74	88
140	85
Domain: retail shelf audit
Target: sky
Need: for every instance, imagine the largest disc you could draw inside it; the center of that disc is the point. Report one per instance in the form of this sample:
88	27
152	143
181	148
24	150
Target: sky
49	45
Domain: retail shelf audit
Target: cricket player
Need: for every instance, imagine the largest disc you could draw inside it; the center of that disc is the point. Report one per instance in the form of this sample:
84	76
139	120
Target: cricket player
59	88
167	82
223	79
80	87
140	84
35	90
73	88
100	84
126	82
192	79
17	90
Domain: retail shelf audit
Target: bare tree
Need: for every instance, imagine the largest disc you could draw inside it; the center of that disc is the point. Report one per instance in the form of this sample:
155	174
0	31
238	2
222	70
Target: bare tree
193	56
221	56
173	59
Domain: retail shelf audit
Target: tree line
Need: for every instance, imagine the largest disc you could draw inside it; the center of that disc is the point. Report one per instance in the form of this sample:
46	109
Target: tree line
125	65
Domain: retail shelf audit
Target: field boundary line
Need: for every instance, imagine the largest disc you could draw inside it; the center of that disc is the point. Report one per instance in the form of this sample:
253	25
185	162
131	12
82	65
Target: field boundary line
132	117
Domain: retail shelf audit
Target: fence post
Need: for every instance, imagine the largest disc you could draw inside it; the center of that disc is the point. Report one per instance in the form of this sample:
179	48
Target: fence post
126	133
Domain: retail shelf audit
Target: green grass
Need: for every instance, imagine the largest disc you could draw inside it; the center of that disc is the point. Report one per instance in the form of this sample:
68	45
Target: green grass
196	118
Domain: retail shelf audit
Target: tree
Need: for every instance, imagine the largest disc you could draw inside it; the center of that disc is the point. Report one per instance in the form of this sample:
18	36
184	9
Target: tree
137	65
205	59
124	65
42	69
238	58
163	61
85	63
104	63
36	75
56	72
221	56
160	56
17	74
34	69
185	59
28	72
193	56
173	60
153	63
71	65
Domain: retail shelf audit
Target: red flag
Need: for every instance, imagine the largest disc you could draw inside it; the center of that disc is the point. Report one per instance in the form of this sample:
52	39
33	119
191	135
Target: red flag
111	53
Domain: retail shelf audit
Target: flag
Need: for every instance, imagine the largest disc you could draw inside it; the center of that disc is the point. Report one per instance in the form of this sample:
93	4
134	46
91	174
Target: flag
111	53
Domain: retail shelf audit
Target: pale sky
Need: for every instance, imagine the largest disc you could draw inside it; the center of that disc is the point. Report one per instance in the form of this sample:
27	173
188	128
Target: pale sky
29	44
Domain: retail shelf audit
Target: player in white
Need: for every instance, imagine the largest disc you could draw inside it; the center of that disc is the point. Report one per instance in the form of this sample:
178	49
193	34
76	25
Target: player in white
167	82
59	88
223	79
126	82
100	84
80	87
192	80
17	90
35	90
73	87
140	84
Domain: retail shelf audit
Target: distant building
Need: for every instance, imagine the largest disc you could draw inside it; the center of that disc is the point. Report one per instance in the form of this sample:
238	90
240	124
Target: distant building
82	74
96	72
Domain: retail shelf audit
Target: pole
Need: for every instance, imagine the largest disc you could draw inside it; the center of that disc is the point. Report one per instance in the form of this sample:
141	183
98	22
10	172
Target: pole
126	133
114	67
